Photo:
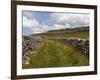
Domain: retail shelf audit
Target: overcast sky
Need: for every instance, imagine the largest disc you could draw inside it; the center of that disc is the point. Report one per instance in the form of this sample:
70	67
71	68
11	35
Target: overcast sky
40	22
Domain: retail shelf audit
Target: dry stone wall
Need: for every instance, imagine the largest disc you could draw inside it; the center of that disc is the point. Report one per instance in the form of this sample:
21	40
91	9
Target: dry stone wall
29	46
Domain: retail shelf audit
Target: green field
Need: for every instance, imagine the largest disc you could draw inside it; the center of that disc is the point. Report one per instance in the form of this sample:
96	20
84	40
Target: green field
57	54
67	33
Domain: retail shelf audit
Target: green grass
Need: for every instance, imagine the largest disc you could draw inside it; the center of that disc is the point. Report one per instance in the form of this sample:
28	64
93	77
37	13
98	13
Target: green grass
81	35
56	54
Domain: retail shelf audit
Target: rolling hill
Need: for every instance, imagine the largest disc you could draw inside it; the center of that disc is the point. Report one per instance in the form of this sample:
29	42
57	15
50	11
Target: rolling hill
54	52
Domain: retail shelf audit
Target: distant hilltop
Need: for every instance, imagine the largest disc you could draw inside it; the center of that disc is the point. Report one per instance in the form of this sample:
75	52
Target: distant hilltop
82	28
74	29
64	31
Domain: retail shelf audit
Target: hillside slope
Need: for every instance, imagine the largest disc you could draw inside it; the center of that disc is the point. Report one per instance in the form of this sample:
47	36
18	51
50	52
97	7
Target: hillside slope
82	33
55	53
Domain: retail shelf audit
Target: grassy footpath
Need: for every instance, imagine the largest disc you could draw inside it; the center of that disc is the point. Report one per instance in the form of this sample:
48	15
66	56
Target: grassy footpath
56	54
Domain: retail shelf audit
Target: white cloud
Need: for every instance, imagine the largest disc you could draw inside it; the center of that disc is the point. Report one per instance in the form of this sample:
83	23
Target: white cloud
31	23
38	30
61	21
34	25
28	14
54	27
59	26
74	20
